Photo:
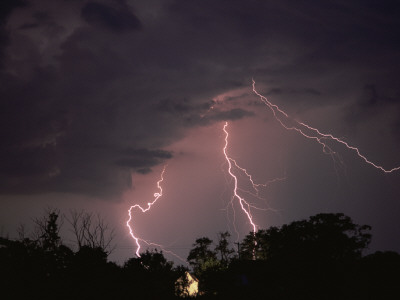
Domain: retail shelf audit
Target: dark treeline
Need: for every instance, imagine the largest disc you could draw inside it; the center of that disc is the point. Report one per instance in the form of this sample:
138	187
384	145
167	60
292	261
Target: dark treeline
318	258
43	267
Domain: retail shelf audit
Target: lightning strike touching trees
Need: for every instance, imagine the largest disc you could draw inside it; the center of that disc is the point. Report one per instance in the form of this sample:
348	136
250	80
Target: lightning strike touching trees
245	205
234	169
313	133
290	124
149	204
137	239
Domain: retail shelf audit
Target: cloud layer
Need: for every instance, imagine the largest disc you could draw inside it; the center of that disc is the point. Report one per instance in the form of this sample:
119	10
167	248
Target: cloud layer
92	91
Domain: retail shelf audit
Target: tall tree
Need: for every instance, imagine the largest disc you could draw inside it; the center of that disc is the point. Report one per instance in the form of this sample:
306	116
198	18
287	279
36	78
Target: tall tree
153	274
47	230
91	231
223	248
201	255
255	245
323	236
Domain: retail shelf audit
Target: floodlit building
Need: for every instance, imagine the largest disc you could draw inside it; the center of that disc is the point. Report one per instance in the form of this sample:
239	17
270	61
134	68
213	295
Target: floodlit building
187	286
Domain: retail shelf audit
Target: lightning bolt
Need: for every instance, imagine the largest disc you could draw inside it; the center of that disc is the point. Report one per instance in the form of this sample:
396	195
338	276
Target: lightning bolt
286	122
310	132
245	205
149	205
137	239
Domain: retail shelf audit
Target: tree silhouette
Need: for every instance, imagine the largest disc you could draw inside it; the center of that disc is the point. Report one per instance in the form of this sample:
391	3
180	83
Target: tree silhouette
153	275
48	229
223	249
323	236
318	258
312	258
91	230
201	256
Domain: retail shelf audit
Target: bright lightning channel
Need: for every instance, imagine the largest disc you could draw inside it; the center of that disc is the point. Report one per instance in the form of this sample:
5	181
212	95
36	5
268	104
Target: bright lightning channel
137	239
149	205
244	205
314	133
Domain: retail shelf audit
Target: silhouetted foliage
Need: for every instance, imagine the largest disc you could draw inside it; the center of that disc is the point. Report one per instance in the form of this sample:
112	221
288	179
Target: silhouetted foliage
308	259
223	249
91	230
321	237
47	230
153	274
317	258
43	266
201	254
378	276
205	264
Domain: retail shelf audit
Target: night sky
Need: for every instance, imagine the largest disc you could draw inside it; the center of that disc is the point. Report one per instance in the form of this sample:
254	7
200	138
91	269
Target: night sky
96	97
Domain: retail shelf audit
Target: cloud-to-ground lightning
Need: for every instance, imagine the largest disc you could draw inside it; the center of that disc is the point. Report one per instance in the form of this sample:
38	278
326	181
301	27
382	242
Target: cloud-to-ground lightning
313	133
243	203
288	123
157	196
233	169
137	239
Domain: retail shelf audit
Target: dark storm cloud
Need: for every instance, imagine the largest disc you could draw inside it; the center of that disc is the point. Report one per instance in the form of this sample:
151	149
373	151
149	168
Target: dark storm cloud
74	91
141	160
314	38
233	114
27	162
175	106
200	114
148	153
6	8
29	26
42	19
371	102
116	19
371	97
281	91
